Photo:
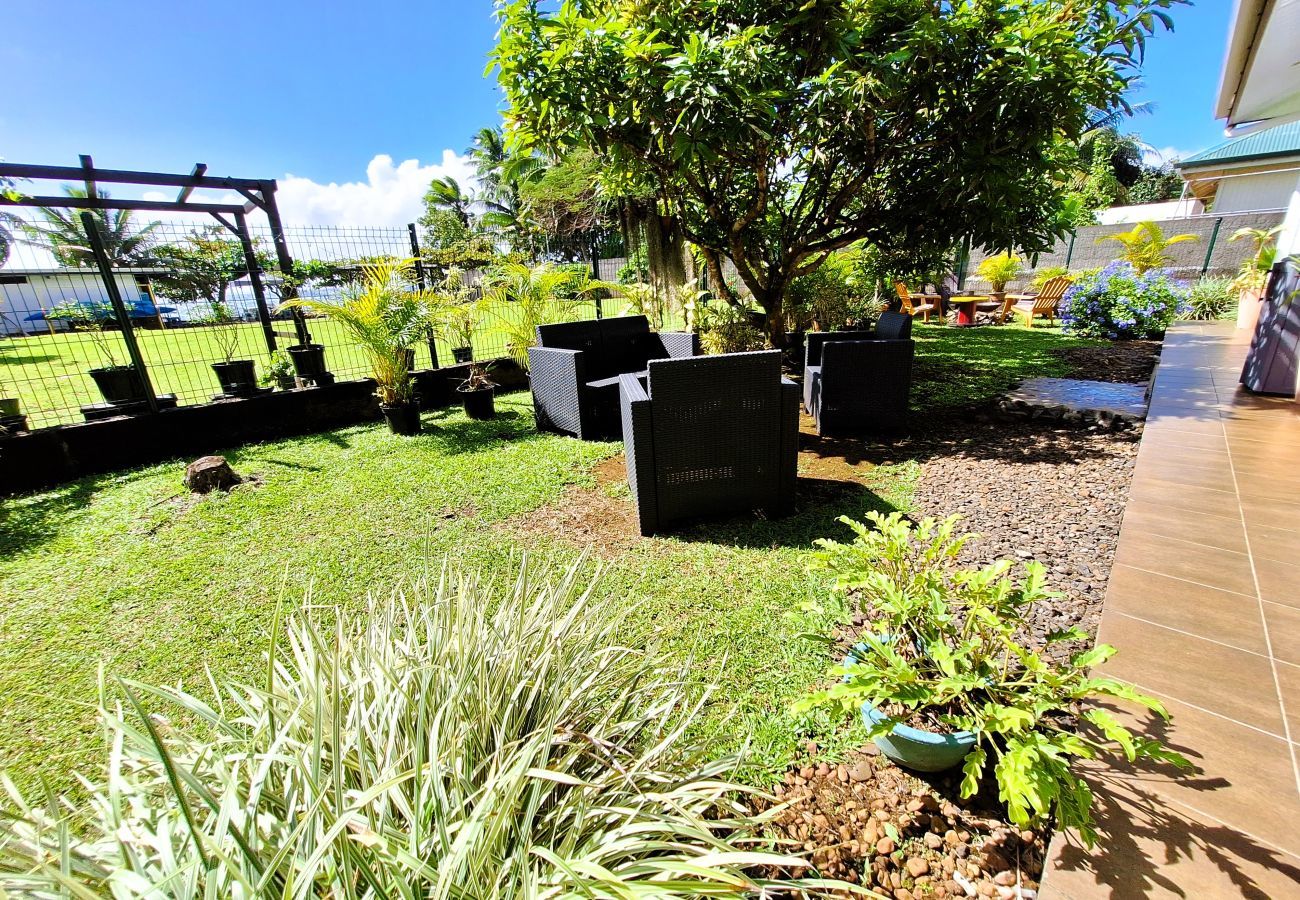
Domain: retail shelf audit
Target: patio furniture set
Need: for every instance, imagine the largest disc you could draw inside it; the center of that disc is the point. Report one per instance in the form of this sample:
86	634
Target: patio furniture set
967	307
713	435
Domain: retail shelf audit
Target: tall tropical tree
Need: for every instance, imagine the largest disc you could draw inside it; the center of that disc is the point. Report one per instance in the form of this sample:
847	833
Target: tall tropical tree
503	177
780	131
59	230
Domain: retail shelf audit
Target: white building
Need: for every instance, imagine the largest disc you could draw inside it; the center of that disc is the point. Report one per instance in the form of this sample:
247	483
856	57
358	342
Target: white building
1254	172
27	294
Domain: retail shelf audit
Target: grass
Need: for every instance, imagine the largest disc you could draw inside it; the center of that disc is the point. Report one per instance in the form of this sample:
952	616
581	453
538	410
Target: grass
47	372
129	572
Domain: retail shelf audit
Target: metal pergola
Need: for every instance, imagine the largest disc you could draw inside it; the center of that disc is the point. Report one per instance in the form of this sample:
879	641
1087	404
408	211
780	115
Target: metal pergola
258	193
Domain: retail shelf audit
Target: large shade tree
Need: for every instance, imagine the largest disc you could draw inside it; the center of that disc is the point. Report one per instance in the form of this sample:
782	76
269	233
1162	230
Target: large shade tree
778	131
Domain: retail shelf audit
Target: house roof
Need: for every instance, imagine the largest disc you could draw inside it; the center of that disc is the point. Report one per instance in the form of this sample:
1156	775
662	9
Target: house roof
1261	69
1281	140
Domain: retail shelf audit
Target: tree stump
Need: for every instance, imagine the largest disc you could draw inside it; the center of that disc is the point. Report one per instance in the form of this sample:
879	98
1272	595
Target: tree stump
210	473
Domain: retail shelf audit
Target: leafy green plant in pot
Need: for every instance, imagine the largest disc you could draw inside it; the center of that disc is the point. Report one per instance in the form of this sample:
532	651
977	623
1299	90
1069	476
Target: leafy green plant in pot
477	393
1253	274
386	316
999	270
941	669
119	384
238	377
521	297
279	372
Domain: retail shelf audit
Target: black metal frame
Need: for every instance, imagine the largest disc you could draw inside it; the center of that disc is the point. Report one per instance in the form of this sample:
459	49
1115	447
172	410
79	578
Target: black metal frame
259	193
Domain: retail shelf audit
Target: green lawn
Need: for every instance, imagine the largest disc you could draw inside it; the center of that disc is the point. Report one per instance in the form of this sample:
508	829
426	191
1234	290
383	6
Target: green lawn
47	372
127	571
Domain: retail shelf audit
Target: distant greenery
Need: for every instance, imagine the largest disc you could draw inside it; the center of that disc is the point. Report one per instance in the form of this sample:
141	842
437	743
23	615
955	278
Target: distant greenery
60	230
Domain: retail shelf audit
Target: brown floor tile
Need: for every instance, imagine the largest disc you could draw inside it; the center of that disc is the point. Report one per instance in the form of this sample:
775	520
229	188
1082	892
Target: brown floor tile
1209	566
1192	470
1146	517
1159	455
1284	632
1194	423
1281	544
1152	849
1272	513
1235	767
1206	445
1148	486
1279	582
1288	680
1223	679
1217	615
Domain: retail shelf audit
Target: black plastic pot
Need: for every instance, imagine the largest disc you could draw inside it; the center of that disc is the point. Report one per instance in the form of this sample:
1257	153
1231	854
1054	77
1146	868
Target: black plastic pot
285	382
308	361
119	384
479	402
462	354
237	377
403	418
9	407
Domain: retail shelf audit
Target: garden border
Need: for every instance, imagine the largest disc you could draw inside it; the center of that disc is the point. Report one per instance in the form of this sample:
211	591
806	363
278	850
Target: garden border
51	456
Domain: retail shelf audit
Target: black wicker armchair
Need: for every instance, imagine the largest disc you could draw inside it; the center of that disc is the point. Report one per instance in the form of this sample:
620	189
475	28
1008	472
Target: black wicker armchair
575	368
713	435
859	381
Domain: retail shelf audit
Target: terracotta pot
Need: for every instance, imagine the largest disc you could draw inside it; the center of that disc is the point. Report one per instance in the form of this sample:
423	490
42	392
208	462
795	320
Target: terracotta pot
1249	303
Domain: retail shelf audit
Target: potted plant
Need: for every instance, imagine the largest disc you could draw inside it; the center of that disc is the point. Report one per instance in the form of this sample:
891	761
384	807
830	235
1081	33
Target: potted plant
118	384
477	393
998	271
237	377
1253	274
520	298
942	675
461	323
279	372
385	317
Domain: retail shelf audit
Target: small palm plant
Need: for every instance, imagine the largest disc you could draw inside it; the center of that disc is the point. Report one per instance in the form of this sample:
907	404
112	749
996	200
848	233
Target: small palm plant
1000	269
1254	270
386	316
521	297
457	740
1145	246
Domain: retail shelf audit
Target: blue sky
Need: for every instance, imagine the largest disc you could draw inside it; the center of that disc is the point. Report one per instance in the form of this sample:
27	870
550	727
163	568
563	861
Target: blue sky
360	103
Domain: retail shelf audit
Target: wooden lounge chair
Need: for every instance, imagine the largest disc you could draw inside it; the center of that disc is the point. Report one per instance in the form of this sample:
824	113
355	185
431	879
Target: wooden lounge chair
929	302
1045	303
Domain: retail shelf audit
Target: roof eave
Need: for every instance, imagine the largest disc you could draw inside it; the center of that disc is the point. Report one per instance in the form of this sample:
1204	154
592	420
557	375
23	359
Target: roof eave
1247	16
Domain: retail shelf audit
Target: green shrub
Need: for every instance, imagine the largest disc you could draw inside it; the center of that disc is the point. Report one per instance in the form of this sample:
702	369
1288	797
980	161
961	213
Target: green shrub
1212	297
455	741
999	269
725	328
947	642
1116	302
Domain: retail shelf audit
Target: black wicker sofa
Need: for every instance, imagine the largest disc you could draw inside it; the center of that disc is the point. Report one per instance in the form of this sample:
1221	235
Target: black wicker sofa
575	369
858	381
709	436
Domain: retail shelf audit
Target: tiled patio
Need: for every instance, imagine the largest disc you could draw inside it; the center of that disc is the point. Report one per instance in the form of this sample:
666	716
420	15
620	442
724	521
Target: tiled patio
1204	607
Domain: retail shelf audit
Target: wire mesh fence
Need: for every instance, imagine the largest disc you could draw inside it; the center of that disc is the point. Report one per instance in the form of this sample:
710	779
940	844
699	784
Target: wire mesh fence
189	302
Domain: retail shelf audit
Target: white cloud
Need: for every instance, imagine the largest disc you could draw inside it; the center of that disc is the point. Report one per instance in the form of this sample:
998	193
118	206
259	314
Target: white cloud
390	195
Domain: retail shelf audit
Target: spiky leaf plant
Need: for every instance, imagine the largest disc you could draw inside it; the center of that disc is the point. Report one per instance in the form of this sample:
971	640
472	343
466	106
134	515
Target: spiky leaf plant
386	315
459	740
520	298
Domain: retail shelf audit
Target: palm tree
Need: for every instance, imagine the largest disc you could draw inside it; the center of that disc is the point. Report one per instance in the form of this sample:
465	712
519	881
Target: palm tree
445	193
59	230
1145	244
503	176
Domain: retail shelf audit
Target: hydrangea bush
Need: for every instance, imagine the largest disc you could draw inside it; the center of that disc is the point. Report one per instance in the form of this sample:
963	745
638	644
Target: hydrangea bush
1115	302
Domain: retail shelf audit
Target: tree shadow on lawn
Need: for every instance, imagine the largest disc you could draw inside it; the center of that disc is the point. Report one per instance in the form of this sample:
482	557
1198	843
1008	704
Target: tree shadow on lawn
455	435
818	503
28	522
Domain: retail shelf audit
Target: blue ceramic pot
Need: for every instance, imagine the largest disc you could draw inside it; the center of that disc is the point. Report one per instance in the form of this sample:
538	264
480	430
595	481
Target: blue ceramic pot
912	748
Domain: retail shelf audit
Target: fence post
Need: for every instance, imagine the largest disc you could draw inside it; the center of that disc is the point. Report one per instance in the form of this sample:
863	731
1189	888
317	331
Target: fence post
119	308
1209	251
1069	253
424	285
255	276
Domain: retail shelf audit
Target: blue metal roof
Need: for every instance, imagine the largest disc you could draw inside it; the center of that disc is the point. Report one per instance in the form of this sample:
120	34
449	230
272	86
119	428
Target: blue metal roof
1282	140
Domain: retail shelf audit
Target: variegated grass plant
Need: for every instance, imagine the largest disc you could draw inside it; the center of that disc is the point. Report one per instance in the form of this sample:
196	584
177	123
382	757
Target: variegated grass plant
458	740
